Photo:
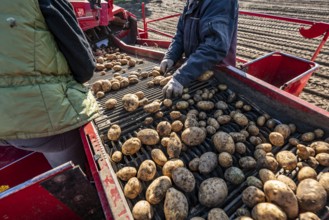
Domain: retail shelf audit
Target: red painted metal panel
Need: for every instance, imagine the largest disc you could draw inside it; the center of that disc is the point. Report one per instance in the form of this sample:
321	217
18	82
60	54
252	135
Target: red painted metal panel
9	154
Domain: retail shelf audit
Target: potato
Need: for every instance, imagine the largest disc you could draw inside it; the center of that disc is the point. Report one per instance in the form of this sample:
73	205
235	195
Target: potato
225	159
143	102
217	213
100	94
308	136
165	80
148	120
271	123
164	141
308	216
142	210
167	102
182	105
268	162
159	157
115	85
261	121
170	165
111	103
177	126
240	119
224	119
323	179
97	86
323	159
175	115
116	156
254	181
175	205
106	85
266	175
197	218
267	211
320	147
221	105
191	121
183	179
100	67
283	129
251	196
302	152
152	107
280	194
318	133
133	188
206	75
276	139
193	136
131	62
213	122
240	148
139	94
238	137
150	84
156	191
286	159
174	146
148	136
164	128
247	163
243	212
114	132
205	105
212	192
223	142
126	173
312	162
259	153
100	59
234	175
147	170
131	146
311	195
130	102
117	68
267	147
306	173
194	164
288	181
156	80
208	162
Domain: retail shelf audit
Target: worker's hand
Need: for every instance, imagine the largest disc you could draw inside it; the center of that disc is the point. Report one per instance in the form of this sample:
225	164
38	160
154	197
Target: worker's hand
172	89
165	65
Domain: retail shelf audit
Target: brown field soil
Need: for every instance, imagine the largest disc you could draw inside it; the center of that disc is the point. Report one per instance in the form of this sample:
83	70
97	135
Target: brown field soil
257	37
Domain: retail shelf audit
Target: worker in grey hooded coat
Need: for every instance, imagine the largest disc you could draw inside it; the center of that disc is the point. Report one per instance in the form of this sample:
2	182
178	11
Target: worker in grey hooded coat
207	35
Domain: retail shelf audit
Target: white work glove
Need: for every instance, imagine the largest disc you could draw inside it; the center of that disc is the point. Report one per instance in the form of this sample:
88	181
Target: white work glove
166	64
172	89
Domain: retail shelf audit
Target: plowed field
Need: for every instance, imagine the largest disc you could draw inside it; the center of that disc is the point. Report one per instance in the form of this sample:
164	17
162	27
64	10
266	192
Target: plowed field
257	36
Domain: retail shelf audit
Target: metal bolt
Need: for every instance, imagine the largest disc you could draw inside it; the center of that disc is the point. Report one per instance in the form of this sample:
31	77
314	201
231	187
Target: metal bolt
11	21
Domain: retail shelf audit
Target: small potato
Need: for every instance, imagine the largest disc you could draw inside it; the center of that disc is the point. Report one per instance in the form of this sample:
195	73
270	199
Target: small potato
183	179
204	77
117	68
302	152
293	141
139	94
307	137
283	129
126	173
251	196
148	120
286	159
133	188
131	62
148	136
177	126
175	115
318	133
261	121
159	114
147	170
164	128
111	103
254	181
259	153
280	194
167	102
194	164
288	181
212	192
267	211
208	162
124	82
223	142
193	136
306	173
100	67
156	80
117	156
165	80
320	147
247	163
152	107
211	130
266	175
143	102
175	205
205	105
213	122
276	139
240	119
97	86
170	165
159	157
267	147
142	210
323	159
311	195
100	94
253	130
217	213
308	216
131	146
156	191
114	132
238	137
191	121
106	85
130	102
115	85
268	162
164	141
182	105
234	175
221	105
240	148
174	146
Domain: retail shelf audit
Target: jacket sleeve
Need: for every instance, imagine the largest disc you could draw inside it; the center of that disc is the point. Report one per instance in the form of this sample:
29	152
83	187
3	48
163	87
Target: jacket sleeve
176	47
62	23
218	25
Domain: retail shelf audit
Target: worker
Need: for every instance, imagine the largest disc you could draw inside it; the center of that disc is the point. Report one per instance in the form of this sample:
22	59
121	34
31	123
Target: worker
207	35
45	59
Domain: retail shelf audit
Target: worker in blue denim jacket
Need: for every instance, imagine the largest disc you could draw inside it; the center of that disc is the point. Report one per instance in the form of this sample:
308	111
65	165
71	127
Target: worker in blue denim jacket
207	35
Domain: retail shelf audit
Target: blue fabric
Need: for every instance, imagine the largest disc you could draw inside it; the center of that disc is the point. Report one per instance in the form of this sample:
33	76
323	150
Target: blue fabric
207	34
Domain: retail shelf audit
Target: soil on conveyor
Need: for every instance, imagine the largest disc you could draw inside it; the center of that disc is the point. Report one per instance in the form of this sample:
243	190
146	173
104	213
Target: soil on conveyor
257	37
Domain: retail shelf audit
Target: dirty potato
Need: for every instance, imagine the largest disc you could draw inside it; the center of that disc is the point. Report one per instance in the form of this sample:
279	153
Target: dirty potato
111	103
156	191
194	164
142	210
164	128
205	105
174	115
133	188
216	214
276	139
130	102
234	175
247	163
148	136
114	132
288	181
170	165
212	192
183	179
223	142
251	196
175	205
266	175
208	162
206	75
193	136
177	126
182	105
147	170
225	159
116	156
267	211
167	103
286	159
126	173
152	107
131	146
174	146
283	129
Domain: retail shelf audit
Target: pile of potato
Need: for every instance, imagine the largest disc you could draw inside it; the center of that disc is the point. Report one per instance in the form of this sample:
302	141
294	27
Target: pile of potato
271	194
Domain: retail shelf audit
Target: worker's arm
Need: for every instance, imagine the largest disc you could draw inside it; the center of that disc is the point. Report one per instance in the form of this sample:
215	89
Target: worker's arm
217	27
61	21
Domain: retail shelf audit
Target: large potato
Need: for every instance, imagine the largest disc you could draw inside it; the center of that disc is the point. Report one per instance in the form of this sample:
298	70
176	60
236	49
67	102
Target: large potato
280	194
223	142
208	162
143	210
147	170
114	132
306	173
157	189
164	128
288	181
175	205
174	146
251	196
323	179
267	211
131	146
183	179
286	159
323	159
320	147
133	188
216	214
148	136
130	102
170	165
212	192
126	173
193	136
159	157
311	195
